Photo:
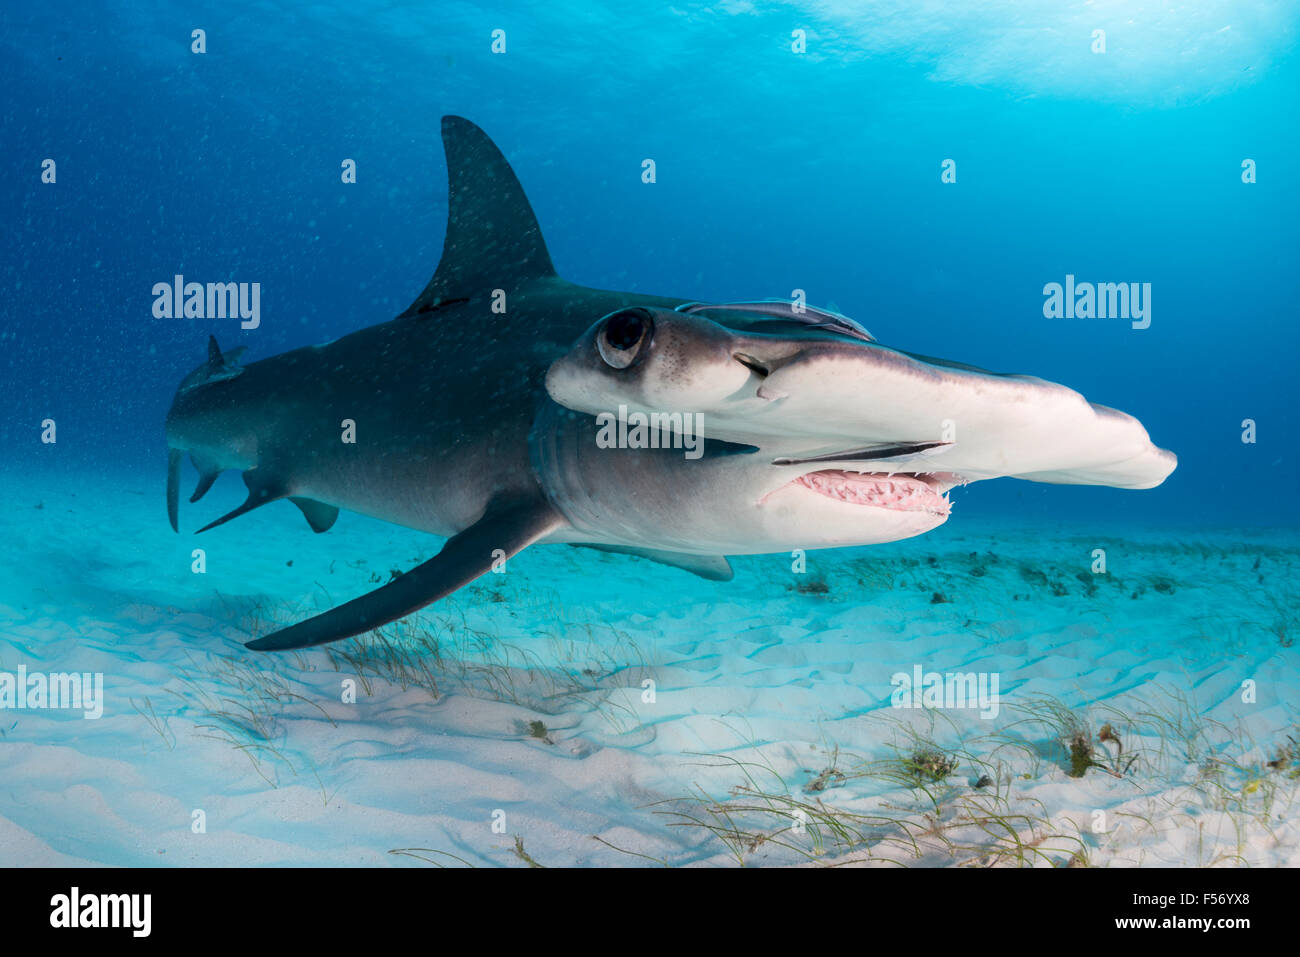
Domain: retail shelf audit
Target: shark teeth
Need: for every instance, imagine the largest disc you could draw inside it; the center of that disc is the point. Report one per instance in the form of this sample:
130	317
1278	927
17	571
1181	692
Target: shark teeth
899	492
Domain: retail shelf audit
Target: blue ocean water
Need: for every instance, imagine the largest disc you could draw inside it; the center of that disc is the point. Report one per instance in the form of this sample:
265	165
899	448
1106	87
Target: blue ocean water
776	170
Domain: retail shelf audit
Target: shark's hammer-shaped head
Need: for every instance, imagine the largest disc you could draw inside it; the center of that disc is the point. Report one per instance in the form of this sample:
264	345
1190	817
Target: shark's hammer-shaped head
757	483
818	435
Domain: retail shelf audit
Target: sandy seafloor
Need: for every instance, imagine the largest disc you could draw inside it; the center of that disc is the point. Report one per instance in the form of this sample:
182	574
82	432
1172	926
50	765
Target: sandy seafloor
769	740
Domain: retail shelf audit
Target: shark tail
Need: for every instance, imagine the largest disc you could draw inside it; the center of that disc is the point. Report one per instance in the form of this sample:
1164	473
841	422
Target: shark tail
174	487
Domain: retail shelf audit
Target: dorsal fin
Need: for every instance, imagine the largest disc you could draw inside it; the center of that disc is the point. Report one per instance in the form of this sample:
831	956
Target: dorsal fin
493	240
215	361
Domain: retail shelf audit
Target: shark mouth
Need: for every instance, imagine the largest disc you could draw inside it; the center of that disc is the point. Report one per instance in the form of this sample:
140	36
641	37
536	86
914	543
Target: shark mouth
898	492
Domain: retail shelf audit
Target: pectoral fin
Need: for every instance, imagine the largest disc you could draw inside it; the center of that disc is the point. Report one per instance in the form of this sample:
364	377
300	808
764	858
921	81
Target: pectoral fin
499	534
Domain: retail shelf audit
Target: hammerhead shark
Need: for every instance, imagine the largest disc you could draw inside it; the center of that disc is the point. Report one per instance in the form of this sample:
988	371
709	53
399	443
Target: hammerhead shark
484	413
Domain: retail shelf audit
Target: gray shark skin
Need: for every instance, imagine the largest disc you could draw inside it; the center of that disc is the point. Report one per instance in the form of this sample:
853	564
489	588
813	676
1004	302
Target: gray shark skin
484	427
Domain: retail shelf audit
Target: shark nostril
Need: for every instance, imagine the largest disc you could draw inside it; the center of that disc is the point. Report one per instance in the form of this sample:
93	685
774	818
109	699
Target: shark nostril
752	364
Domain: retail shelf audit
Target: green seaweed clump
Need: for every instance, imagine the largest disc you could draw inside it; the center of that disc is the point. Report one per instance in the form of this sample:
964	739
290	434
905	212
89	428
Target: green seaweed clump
1288	758
1081	752
1084	754
929	765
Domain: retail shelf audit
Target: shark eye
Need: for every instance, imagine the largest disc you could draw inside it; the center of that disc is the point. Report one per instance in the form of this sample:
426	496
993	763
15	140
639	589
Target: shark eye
623	337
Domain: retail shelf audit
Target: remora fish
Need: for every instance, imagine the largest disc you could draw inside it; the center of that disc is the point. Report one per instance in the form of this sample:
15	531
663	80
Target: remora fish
483	427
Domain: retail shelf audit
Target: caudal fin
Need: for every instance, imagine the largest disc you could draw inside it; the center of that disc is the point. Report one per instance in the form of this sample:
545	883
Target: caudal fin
174	487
